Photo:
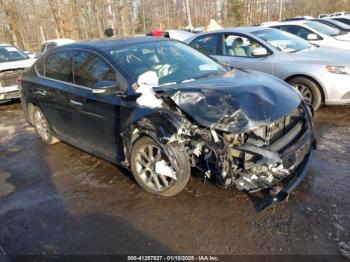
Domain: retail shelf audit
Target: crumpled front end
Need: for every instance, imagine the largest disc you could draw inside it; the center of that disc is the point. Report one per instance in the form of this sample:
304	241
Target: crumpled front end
273	152
236	131
251	160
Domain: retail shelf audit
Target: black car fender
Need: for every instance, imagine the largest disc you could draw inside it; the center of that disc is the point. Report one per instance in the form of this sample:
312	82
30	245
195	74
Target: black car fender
159	125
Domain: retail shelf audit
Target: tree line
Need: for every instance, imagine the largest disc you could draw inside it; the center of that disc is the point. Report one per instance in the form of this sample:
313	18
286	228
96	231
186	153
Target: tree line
27	23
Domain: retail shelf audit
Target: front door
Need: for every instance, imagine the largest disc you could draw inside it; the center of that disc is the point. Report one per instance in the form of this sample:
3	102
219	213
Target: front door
238	51
98	116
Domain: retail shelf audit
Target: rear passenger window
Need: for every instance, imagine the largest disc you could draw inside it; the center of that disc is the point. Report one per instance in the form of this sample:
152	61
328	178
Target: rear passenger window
58	66
89	69
208	44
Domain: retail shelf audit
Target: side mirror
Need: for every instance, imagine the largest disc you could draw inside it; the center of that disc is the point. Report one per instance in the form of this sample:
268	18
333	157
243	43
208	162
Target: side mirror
312	37
259	51
106	88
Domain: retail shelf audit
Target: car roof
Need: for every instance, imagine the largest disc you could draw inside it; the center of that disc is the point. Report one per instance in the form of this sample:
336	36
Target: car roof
109	43
298	22
242	30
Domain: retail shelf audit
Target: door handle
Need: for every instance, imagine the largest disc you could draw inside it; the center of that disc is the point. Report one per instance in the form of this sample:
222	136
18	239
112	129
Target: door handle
41	92
75	103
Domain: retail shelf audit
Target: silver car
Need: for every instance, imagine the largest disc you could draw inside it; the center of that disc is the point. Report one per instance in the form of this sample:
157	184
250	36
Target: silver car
322	75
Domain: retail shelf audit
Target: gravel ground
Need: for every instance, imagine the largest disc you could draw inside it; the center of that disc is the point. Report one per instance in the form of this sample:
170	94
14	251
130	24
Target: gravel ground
60	200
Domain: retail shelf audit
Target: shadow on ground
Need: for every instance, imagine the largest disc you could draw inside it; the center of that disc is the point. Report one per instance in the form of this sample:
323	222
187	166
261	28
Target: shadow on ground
60	200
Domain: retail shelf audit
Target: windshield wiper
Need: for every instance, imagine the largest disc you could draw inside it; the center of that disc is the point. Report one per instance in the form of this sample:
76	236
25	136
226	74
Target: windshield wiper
206	75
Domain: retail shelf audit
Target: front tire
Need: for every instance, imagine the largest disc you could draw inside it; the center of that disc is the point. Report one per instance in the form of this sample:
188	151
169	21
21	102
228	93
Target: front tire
309	90
42	127
146	155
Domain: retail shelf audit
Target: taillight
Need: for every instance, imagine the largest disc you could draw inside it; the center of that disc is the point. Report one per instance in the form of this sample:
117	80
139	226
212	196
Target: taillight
19	80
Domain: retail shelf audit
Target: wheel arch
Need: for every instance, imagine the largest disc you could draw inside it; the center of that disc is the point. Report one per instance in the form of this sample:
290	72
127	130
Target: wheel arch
29	107
159	126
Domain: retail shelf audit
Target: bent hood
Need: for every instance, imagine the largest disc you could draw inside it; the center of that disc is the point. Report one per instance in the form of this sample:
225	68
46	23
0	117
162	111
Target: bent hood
236	101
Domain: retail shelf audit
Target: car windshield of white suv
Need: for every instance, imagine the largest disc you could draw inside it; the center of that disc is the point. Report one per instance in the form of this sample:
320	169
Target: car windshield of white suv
11	53
283	41
322	28
338	23
173	62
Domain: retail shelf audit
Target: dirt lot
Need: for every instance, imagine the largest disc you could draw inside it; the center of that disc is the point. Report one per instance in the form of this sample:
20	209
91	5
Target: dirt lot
60	200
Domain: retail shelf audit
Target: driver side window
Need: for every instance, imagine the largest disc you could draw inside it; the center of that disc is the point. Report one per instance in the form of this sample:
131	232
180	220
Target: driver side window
89	69
240	46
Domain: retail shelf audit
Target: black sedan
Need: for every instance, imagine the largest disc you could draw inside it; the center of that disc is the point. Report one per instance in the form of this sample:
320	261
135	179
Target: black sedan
159	107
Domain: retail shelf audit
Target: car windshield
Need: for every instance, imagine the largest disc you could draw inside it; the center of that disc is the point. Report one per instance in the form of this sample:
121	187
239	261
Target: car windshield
283	41
11	53
338	23
322	28
172	61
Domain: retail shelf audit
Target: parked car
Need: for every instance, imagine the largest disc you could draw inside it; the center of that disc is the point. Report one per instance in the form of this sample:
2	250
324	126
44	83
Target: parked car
180	35
334	23
158	107
339	14
12	63
318	73
343	19
50	44
323	15
317	33
29	53
298	18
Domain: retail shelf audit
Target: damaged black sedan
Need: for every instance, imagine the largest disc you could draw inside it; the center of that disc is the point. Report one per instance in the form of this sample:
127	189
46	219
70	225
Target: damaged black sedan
161	108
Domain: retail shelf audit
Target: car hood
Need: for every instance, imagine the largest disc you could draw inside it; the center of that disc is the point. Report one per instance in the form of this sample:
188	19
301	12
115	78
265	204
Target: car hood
236	101
343	37
25	63
324	55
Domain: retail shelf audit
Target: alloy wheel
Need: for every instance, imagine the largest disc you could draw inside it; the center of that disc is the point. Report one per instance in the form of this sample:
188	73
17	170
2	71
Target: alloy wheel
41	125
305	92
146	159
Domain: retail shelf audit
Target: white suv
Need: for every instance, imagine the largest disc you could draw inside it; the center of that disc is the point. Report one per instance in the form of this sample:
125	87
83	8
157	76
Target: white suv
315	32
12	62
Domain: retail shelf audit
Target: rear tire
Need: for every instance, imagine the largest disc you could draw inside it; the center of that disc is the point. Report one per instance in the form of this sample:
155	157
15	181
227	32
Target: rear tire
309	89
145	154
42	127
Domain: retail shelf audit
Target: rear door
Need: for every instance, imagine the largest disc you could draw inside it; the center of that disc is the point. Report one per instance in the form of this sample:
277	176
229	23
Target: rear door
98	117
53	91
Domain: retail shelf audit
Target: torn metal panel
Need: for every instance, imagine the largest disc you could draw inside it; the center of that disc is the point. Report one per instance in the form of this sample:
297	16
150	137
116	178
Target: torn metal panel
234	102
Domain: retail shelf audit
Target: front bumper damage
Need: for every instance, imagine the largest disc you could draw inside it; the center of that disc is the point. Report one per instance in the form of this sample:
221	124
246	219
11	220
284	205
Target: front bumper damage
256	160
283	194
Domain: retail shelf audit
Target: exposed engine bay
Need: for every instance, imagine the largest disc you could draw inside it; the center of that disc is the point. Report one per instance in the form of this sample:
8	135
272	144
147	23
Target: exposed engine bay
252	160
